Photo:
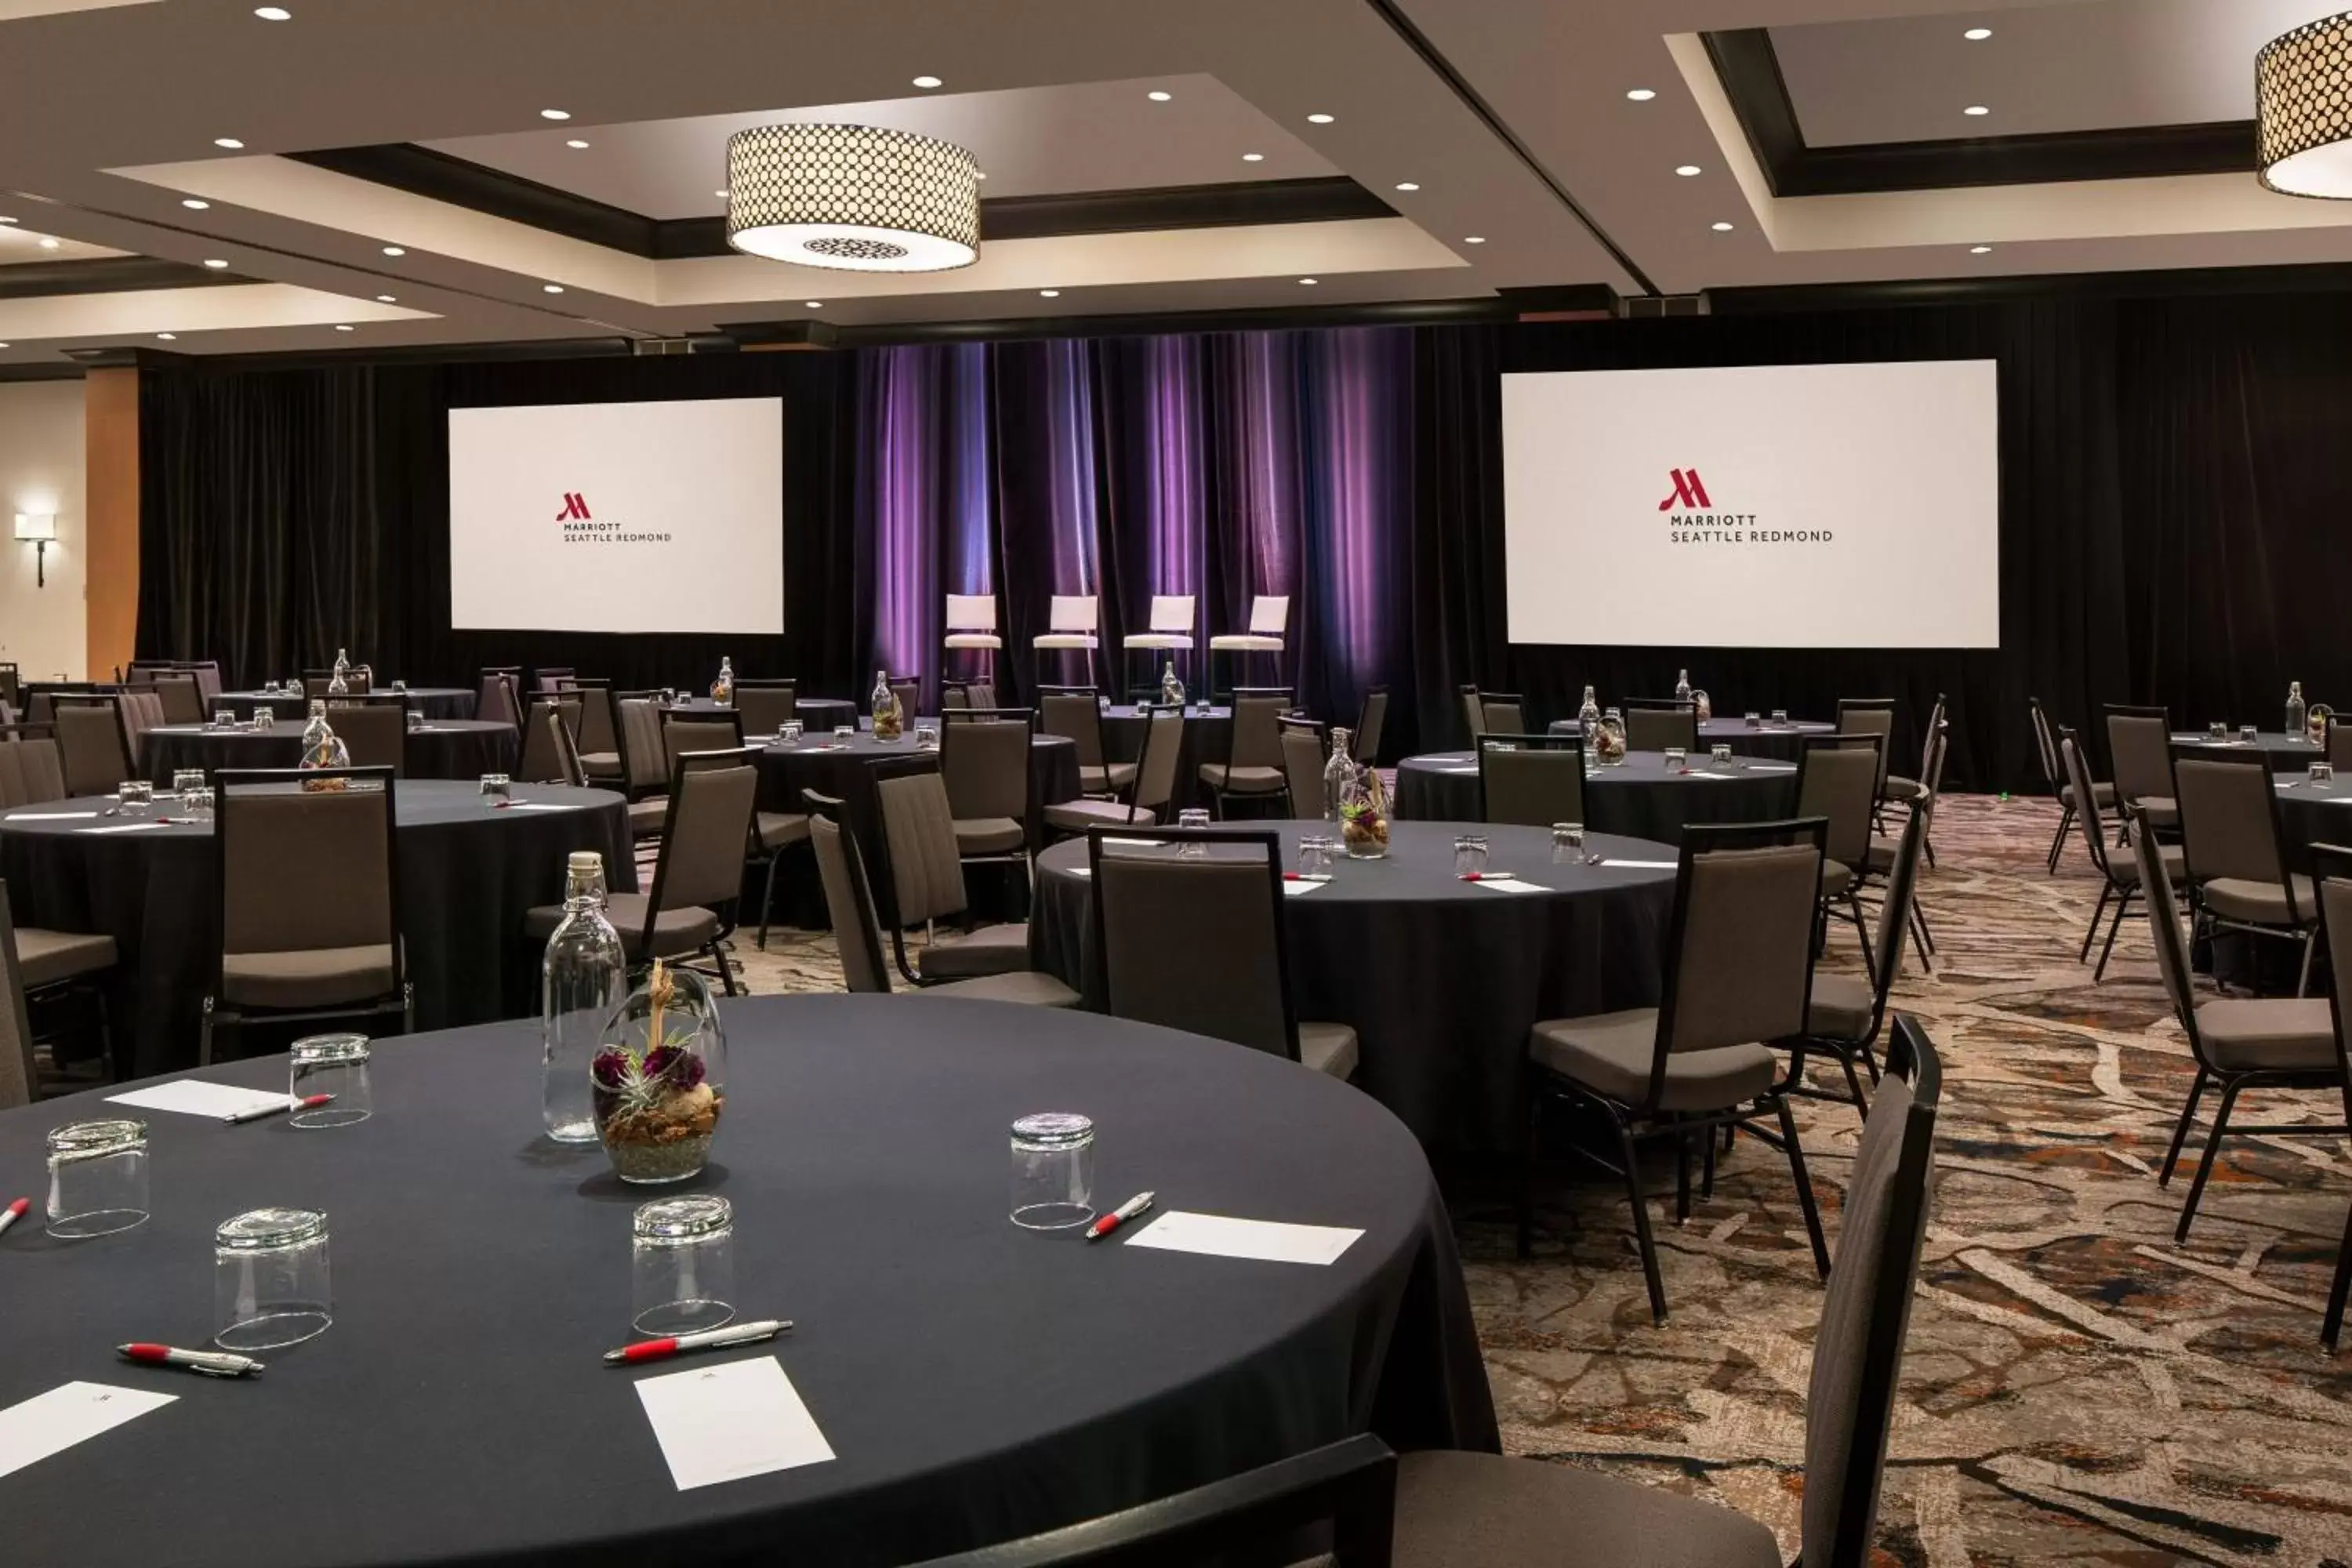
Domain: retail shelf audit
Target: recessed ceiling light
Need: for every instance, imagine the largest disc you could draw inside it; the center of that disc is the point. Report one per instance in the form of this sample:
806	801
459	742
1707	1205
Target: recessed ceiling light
1474	239
1977	35
1641	94
215	263
342	327
814	305
393	250
2	345
1686	170
48	242
1049	293
551	287
168	337
927	83
385	300
231	143
7	220
1721	228
555	114
1253	157
720	194
577	144
1310	283
1157	97
1979	251
980	173
1976	108
273	13
1319	119
195	204
1407	186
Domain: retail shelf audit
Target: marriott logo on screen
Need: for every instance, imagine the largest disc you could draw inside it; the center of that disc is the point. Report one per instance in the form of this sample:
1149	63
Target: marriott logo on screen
1693	520
581	528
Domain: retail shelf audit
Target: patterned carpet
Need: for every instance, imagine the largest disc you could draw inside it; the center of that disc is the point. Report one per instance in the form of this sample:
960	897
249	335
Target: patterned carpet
2078	1389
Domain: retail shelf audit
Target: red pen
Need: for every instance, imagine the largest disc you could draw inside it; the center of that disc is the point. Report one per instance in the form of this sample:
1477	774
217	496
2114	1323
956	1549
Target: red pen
262	1112
212	1363
1488	876
708	1339
1119	1215
14	1213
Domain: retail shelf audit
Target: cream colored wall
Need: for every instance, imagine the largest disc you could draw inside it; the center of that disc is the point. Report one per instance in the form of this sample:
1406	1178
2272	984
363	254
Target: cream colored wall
42	630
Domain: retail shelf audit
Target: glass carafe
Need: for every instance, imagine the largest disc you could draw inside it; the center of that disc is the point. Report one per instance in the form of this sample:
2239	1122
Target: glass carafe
1609	746
1364	816
890	717
1171	691
2294	709
1682	685
339	684
322	748
1336	773
722	690
581	981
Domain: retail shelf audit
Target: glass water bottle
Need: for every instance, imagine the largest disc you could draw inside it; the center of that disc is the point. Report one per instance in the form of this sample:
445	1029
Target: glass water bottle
1588	723
340	683
1337	773
583	980
1682	685
1171	691
2294	711
722	690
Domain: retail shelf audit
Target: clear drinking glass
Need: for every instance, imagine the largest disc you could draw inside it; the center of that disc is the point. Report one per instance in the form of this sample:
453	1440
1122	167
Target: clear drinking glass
788	732
2217	731
1781	717
136	795
498	789
270	1287
1469	854
188	784
98	1177
1720	754
1053	1170
1568	844
926	737
400	686
331	1064
682	1265
2248	734
1317	855
263	718
1678	758
1754	720
1193	816
2323	772
844	733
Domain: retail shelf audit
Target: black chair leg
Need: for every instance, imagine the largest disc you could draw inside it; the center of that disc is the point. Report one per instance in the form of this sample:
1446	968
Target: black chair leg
768	898
1929	844
1683	1178
726	972
2058	839
1854	1084
1862	935
2114	928
2332	1324
1804	1185
2180	1130
1642	1237
2212	1156
2106	892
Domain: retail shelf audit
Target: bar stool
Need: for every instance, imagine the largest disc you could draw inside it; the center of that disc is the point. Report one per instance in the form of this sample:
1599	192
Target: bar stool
1070	627
971	624
1269	616
1171	631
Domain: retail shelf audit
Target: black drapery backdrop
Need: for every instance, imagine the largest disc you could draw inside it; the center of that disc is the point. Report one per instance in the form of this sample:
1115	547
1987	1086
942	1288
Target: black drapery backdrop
2172	472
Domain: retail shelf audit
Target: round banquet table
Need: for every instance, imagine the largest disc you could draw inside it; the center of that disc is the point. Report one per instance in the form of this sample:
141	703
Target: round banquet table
444	749
432	701
2310	814
1441	979
2283	751
468	872
976	1382
1783	741
818	715
1637	798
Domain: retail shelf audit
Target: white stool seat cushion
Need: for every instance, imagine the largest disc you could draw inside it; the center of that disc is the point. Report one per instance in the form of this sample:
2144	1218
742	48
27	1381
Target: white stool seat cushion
1245	642
974	640
1158	639
1068	639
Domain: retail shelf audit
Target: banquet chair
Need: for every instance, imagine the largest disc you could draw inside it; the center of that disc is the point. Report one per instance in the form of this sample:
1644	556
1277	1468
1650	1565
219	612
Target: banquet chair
43	968
1870	716
1348	1488
1302	766
2238	1043
970	622
1737	982
1474	713
766	705
2340	745
1533	781
1072	624
698	876
1837	781
494	698
1075	712
2140	750
1483	1510
182	703
141	712
567	748
984	761
1493	714
2235	853
1655	723
979	694
328	944
1197	943
2053	773
2332	873
553	678
31	770
857	930
1845	1013
1168	629
645	765
2119	879
93	743
1364	744
357	681
686	729
1269	620
1253	764
1883	849
541	759
771	832
924	874
1906	792
374	730
1155	782
596	728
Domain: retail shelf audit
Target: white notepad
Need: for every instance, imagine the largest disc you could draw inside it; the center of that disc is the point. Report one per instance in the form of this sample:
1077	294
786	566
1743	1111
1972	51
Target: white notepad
125	828
49	816
725	1423
1470	769
1136	842
536	805
1508	885
1646	864
195	1097
1265	1241
74	1413
1300	889
1771	767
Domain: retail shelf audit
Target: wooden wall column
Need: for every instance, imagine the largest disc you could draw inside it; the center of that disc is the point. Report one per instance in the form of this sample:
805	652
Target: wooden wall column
110	445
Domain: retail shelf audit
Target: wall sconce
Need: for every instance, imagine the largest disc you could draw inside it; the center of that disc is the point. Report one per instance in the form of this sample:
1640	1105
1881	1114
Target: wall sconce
39	529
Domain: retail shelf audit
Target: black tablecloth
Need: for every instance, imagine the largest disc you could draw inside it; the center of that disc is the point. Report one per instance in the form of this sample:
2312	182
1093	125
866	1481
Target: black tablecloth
1440	979
446	749
976	1381
467	873
432	701
818	715
1208	738
2284	751
2309	813
1637	798
1784	741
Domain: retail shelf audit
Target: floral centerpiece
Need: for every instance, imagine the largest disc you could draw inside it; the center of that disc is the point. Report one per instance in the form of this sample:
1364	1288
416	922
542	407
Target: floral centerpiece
1609	745
656	1083
1705	709
1364	816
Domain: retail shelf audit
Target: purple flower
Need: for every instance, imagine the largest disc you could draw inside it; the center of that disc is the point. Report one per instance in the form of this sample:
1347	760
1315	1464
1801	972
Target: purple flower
681	1067
610	1070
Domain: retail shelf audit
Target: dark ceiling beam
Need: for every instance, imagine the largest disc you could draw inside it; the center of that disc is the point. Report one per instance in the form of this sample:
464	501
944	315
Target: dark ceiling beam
105	275
2313	278
798	333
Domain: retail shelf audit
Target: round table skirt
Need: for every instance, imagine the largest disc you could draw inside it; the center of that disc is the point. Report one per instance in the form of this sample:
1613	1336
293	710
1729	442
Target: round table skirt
2285	751
451	749
976	1382
432	701
1785	742
468	874
1638	797
1440	979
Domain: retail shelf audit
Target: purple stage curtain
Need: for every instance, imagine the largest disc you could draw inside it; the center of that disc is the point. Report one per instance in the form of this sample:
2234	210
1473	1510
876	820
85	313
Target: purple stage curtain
1221	465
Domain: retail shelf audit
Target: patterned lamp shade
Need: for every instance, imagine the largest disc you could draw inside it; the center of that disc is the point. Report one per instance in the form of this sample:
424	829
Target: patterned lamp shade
2303	95
851	196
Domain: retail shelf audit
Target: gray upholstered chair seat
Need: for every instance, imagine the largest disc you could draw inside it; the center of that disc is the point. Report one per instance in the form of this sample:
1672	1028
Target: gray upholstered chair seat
778	828
991	950
1836	879
1900	788
47	957
972	639
602	764
2285	1034
1483	1510
2260	903
647	816
1610	1054
2162	809
2105	793
1099	780
1328	1048
1027	986
1067	640
1243	780
314	977
678	931
1245	642
989	835
1840	1008
1158	639
1078	815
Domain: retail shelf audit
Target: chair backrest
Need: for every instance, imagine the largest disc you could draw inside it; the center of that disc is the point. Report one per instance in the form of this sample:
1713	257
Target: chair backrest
1171	612
2090	821
494	698
374	731
31	770
1302	766
685	731
984	757
542	761
848	899
1269	614
1740	950
553	678
567	749
1256	738
1365	743
18	1073
1076	714
766	706
91	743
183	703
1870	716
1652	725
1155	767
1532	780
925	874
2228	820
336	824
1927	740
2331	866
2139	748
12	686
2045	742
595	727
1866	1308
704	832
1474	713
1894	913
2172	960
645	765
1195	943
1503	713
141	712
1837	780
971	612
1074	613
2339	743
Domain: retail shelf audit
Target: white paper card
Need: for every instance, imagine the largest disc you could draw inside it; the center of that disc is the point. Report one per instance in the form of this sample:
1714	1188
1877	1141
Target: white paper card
1508	885
1265	1241
1771	767
1646	864
1135	843
724	1423
1470	769
1300	889
49	816
536	805
53	1421
195	1097
125	828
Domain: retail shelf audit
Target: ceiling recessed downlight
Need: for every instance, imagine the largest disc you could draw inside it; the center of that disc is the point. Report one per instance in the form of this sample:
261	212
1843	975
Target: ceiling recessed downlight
1721	228
343	327
577	144
1407	186
1310	283
168	337
1320	118
7	220
3	345
215	263
1158	97
1686	170
231	143
393	250
1976	108
1049	293
273	13
1474	239
721	194
385	300
859	198
48	242
1979	251
1977	35
1642	94
195	204
928	82
551	287
814	305
555	114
